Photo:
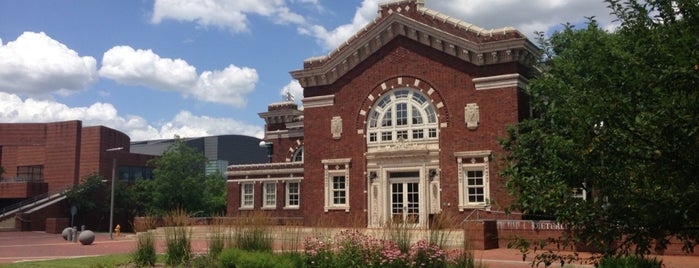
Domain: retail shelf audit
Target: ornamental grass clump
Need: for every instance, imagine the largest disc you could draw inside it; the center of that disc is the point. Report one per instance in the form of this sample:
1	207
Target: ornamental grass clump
177	238
253	234
144	255
218	236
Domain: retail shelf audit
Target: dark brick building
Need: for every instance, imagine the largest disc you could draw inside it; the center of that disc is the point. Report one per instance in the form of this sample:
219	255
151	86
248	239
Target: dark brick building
40	159
399	123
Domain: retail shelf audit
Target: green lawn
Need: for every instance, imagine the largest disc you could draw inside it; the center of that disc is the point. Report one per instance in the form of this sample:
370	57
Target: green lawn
87	262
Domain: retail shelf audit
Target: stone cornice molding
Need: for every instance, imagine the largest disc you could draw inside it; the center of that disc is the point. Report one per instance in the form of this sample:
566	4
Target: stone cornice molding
265	169
459	39
319	101
500	81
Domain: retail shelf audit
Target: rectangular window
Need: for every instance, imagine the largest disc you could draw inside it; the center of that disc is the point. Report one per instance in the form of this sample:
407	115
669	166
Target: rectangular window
474	179
339	191
432	132
401	114
418	134
336	184
475	187
386	136
372	137
402	134
293	194
247	192
30	173
270	194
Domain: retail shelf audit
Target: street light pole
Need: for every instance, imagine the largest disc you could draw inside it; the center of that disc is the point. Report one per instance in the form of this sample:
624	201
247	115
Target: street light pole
111	201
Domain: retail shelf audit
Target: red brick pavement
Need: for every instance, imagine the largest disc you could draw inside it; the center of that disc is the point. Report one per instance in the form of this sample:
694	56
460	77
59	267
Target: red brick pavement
28	246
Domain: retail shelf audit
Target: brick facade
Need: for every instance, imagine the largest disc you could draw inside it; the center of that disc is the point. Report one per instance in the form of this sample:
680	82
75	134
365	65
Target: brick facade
456	67
64	153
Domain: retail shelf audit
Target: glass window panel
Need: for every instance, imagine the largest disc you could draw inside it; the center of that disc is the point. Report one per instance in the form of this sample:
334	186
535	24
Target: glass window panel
387	119
419	98
401	94
386	136
418	134
431	115
373	119
401	114
402	134
416	116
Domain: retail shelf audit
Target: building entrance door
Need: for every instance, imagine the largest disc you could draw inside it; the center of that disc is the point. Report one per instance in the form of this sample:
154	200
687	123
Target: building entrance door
405	197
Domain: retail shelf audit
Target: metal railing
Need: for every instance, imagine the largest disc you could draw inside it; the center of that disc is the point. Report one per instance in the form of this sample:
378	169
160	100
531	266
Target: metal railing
34	200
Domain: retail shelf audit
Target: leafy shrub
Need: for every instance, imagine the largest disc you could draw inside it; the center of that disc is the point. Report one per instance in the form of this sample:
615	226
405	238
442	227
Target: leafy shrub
236	258
629	262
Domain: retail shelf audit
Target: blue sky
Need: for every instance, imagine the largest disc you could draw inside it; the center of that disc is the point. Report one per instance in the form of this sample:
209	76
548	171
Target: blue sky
154	69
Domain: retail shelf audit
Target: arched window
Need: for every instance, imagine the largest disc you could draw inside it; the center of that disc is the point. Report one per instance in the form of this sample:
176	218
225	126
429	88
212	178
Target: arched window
402	114
298	155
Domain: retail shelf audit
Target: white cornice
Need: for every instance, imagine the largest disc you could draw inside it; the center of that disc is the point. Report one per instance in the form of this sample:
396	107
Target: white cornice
500	81
319	101
324	70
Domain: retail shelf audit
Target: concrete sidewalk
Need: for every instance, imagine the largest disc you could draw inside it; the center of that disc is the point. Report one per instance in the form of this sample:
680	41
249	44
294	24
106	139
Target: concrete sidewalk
29	246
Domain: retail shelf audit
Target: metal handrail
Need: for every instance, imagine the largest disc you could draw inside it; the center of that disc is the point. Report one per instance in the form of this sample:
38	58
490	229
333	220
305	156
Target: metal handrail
33	199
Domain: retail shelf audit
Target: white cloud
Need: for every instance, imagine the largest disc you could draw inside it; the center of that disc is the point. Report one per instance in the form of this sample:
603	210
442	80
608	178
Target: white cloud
228	86
527	16
232	15
14	109
185	124
294	87
331	39
36	64
143	67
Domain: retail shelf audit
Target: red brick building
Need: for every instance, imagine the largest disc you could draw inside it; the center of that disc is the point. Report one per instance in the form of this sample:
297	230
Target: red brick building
46	158
399	123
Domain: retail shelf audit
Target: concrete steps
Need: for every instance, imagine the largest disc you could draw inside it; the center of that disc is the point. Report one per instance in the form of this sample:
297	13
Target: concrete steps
8	225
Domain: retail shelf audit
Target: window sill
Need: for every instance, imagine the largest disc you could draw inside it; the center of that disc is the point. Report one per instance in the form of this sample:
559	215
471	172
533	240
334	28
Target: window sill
345	208
474	206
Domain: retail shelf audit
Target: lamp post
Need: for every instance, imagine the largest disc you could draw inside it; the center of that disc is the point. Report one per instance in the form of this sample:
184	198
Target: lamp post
111	201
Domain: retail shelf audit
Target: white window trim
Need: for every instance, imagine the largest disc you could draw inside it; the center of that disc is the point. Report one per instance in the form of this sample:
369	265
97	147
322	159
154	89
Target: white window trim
394	129
287	194
467	161
341	168
265	192
242	196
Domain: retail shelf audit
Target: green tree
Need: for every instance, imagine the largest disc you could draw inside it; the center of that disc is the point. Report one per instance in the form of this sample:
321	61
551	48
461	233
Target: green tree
616	114
90	196
215	195
180	182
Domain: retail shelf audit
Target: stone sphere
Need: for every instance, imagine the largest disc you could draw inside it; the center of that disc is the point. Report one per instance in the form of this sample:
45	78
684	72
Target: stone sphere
66	233
86	237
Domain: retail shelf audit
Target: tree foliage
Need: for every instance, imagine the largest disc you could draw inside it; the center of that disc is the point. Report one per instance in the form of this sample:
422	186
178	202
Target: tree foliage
179	182
92	198
616	114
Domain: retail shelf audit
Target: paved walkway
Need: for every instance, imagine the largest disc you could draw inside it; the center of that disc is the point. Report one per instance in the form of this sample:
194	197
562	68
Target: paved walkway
29	246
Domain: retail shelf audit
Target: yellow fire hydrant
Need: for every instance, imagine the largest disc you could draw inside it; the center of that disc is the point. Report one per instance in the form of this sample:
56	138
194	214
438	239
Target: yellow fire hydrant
117	230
